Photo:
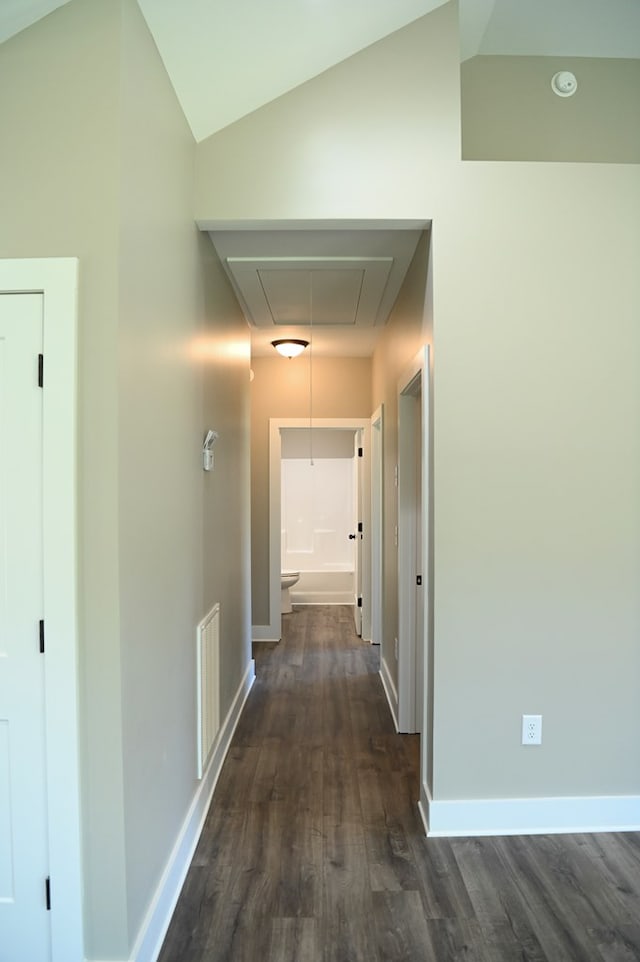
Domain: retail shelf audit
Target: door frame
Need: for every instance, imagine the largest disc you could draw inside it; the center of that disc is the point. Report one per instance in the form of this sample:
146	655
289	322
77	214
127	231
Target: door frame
274	629
412	717
377	515
359	482
57	280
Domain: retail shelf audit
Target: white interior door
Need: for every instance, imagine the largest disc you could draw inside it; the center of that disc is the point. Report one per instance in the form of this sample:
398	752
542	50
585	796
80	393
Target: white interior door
413	577
375	538
358	531
419	574
24	919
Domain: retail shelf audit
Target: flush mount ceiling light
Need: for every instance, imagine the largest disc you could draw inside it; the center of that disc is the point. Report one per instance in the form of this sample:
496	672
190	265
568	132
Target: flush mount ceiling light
290	346
564	83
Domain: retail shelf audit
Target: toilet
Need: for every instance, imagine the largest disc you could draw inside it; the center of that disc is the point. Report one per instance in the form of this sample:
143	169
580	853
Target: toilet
287	580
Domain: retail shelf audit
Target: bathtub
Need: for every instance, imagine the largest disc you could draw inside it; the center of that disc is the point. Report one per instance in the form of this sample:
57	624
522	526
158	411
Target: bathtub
324	588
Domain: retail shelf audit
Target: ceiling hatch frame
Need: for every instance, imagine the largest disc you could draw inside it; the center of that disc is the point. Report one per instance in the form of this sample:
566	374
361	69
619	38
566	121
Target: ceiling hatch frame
338	274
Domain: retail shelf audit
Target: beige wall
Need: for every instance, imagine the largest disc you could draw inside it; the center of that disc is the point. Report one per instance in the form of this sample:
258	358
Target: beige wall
536	388
363	140
280	389
510	112
409	327
183	366
225	350
537	458
59	196
97	162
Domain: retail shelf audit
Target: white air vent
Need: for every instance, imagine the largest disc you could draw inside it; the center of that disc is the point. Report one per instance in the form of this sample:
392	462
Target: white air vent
208	682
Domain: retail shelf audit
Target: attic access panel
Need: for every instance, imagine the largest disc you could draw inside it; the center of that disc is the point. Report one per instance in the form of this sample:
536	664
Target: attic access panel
330	291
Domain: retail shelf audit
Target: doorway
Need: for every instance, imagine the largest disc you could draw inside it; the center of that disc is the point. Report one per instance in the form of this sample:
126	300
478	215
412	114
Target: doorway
53	877
319	515
363	577
413	541
377	439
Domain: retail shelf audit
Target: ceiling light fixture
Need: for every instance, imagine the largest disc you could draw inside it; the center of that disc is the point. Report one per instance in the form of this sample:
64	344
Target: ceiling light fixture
290	346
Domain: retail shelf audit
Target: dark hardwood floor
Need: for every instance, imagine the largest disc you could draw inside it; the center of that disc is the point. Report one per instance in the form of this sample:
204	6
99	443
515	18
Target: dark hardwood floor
313	850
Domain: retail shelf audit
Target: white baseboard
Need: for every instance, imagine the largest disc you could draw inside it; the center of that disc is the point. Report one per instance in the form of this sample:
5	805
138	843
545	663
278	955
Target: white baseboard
424	803
390	690
156	922
529	816
322	598
264	633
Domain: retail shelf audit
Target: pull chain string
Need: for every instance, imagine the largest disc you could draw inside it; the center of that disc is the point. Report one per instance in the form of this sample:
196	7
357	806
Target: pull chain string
311	368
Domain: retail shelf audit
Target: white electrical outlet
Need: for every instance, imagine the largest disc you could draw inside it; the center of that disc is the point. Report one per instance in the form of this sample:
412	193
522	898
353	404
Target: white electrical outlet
532	729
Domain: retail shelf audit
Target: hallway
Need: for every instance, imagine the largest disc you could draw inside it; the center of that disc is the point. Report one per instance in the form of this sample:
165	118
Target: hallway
313	850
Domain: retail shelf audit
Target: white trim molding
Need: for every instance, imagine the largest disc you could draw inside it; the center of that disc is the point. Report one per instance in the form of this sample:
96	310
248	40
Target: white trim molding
529	816
206	224
390	690
156	922
424	804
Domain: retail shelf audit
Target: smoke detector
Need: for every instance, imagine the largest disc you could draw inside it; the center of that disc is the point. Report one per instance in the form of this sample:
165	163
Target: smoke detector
564	83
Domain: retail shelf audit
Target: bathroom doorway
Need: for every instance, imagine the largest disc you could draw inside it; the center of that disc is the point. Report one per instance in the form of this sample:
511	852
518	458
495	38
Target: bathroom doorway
318	514
334	567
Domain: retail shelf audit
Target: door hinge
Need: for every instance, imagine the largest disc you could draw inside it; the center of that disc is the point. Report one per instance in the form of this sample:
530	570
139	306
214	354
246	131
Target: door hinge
360	452
47	892
359	602
359	527
40	370
418	580
42	637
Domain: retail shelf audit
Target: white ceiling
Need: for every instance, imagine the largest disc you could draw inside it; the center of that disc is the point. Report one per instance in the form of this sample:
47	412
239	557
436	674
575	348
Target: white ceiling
17	15
229	57
566	28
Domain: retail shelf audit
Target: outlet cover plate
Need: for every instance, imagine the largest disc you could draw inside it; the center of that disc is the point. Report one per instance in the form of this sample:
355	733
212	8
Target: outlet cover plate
532	729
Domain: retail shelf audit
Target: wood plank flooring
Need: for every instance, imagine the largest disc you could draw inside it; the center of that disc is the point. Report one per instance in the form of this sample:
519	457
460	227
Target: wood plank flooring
313	850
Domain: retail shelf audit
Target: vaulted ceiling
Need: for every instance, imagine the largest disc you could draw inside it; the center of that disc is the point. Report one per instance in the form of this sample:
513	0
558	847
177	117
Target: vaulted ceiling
227	58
